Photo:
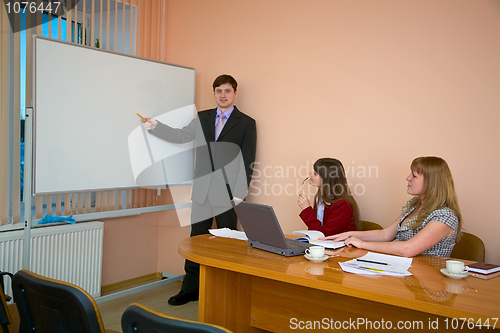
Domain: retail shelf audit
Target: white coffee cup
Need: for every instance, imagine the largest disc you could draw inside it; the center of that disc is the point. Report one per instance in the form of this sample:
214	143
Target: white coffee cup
316	252
456	267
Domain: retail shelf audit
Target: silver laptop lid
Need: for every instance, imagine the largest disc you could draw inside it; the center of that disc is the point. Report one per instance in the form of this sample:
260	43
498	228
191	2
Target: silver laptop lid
260	224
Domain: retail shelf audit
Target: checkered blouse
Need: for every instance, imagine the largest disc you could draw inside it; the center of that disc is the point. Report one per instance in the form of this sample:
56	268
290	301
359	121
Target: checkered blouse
444	215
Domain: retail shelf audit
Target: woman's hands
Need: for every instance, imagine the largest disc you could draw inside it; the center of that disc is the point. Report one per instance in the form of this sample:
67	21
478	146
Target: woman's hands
354	241
339	237
349	240
303	201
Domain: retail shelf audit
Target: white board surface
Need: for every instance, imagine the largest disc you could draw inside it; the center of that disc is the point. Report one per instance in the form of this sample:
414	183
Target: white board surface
85	104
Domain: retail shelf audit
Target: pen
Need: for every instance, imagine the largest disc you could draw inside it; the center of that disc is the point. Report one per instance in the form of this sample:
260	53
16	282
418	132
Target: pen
142	117
373	262
371	269
367	268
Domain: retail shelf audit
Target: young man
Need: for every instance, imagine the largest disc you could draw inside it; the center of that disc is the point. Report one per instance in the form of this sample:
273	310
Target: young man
226	141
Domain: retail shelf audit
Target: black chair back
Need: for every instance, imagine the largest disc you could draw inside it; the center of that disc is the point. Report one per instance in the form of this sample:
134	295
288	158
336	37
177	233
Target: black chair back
140	319
5	315
48	306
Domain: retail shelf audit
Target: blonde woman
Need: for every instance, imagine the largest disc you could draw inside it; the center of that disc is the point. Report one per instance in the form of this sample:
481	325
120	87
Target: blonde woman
430	222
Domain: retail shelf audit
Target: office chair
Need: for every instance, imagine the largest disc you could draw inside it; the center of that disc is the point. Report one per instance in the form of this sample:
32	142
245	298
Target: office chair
365	225
140	319
46	306
469	247
9	318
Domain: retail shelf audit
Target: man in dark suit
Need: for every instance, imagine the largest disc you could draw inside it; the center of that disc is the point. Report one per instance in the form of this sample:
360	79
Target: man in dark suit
226	141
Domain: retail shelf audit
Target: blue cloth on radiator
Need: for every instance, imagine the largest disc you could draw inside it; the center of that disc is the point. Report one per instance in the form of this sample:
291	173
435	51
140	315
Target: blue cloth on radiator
52	219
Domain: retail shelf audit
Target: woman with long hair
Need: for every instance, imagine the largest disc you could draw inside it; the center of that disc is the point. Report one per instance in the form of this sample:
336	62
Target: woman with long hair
335	210
430	222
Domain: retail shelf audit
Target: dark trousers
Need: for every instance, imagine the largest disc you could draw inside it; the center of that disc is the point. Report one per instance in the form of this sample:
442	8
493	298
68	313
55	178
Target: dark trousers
227	219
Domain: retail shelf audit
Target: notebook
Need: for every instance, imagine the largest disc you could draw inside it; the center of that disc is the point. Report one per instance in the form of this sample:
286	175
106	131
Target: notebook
264	232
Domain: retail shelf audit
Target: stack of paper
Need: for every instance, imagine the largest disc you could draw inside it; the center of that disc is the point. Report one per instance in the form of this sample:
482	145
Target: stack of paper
376	263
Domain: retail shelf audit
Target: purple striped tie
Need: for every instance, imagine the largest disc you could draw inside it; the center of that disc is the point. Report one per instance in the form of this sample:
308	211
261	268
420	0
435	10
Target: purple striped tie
220	125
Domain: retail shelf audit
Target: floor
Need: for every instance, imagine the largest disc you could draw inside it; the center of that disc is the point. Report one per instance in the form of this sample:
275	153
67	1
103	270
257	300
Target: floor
155	299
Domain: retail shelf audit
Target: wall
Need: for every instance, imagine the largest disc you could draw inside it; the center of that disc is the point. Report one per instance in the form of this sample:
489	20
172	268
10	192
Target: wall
139	245
373	83
130	247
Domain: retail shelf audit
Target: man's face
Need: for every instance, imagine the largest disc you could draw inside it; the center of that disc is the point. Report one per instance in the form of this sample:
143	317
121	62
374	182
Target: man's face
224	96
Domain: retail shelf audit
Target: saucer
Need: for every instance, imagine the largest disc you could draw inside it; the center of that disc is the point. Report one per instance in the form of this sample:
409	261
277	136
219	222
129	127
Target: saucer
308	257
454	276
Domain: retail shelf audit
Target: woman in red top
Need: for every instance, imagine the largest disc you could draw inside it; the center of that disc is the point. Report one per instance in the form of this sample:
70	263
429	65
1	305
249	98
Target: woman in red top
335	210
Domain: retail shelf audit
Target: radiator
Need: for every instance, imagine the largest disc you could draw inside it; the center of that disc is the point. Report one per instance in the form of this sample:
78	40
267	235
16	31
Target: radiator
71	253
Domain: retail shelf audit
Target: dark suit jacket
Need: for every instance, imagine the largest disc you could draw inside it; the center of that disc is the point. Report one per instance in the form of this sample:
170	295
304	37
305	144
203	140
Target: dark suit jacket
233	153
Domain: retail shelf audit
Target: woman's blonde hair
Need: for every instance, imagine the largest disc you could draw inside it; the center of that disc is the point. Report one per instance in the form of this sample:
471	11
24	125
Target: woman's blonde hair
439	190
334	185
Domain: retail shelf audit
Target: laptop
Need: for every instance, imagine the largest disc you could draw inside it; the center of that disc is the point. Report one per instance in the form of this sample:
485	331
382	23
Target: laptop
264	232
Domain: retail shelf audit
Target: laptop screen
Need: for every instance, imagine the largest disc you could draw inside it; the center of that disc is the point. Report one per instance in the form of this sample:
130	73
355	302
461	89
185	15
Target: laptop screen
260	224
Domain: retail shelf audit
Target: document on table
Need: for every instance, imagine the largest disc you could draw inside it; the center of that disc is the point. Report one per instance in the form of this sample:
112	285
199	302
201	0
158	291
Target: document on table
229	233
311	237
376	263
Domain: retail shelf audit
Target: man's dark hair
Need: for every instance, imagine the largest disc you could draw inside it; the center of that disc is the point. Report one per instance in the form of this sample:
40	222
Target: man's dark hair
223	79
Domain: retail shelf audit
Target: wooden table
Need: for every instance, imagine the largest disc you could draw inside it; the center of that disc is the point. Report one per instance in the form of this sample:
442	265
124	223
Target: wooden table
250	290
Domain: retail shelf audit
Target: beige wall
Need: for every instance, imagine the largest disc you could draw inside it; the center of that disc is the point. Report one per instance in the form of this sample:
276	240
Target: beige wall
130	247
139	245
374	83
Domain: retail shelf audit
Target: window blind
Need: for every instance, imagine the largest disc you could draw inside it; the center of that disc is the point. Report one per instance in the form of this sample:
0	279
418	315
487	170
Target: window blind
132	27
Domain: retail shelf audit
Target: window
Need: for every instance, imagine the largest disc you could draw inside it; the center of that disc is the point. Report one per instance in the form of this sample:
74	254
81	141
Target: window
119	26
112	28
54	33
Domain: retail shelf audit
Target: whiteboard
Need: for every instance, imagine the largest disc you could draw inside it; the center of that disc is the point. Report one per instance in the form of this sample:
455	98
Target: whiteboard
87	135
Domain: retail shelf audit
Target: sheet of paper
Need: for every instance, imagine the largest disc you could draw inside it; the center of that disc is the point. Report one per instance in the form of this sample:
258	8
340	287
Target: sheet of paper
356	270
377	263
229	233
